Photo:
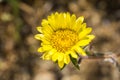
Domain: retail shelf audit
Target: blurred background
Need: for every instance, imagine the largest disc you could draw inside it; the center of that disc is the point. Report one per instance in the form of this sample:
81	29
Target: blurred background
19	59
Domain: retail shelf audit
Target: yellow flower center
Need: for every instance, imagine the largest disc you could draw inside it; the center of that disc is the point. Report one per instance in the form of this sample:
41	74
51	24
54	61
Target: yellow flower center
63	40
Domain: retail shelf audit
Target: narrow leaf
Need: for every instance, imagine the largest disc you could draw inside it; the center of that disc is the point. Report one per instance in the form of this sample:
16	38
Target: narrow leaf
75	62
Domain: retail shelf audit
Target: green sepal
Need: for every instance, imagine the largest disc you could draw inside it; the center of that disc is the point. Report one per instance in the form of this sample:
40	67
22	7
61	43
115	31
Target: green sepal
88	53
75	62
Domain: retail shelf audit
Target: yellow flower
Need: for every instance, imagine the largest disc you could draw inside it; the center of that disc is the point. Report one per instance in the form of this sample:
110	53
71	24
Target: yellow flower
62	36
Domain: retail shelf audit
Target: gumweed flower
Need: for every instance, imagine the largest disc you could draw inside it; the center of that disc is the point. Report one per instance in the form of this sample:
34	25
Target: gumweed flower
63	37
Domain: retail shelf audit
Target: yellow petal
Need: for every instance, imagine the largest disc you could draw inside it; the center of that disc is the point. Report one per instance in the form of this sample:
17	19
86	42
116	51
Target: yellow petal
39	29
91	37
62	20
66	59
80	51
73	18
80	19
60	56
83	26
61	64
44	48
46	56
52	51
56	21
48	29
72	23
45	42
74	55
44	22
39	36
78	24
52	22
83	42
84	32
55	57
86	40
40	50
68	20
77	27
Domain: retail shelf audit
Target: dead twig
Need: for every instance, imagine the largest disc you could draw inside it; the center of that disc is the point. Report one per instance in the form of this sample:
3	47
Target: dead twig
26	8
108	57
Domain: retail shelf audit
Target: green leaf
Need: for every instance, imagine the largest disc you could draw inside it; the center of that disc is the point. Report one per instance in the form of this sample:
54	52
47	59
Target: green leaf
75	62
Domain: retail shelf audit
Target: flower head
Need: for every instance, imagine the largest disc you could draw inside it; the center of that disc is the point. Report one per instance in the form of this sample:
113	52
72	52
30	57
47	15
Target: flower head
63	36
